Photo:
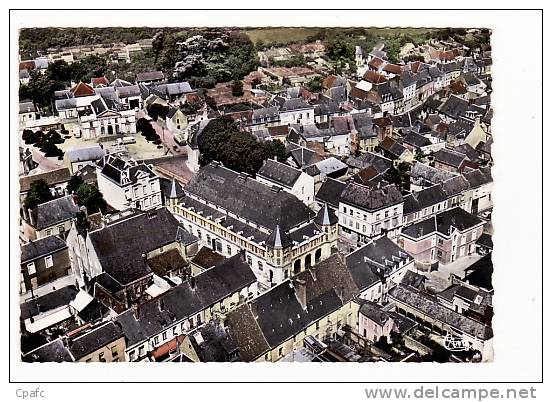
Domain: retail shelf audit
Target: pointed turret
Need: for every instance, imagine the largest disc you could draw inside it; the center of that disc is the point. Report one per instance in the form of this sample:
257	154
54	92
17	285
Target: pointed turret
278	239
325	217
173	195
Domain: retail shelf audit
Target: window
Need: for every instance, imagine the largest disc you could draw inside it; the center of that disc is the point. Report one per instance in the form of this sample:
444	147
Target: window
260	264
31	268
249	260
48	261
386	214
88	360
144	189
48	232
102	357
164	336
156	340
61	229
229	249
280	351
114	352
131	355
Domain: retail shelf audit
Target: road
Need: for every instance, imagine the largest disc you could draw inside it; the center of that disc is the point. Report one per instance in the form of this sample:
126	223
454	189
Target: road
167	137
46	164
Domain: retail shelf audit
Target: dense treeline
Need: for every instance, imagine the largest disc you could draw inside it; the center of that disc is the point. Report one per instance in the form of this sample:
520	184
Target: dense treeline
32	40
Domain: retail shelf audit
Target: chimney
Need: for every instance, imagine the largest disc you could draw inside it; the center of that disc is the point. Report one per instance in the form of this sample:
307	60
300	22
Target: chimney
136	313
301	292
254	309
161	304
192	282
75	198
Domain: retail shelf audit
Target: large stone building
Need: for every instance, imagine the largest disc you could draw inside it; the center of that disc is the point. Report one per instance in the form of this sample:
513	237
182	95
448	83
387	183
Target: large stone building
230	211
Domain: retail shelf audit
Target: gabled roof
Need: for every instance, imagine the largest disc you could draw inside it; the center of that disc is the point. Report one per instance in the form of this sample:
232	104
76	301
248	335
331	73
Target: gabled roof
248	198
425	198
52	178
371	199
150	76
379	258
91	153
119	245
41	247
95	339
53	212
330	191
82	89
442	223
450	157
279	173
430	306
416	140
187	299
27	107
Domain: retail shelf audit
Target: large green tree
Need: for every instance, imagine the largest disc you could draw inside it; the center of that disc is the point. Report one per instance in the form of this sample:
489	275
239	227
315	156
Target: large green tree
221	140
39	193
91	197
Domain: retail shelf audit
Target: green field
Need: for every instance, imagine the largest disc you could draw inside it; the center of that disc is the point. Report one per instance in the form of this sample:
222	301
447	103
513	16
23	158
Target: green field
296	34
280	35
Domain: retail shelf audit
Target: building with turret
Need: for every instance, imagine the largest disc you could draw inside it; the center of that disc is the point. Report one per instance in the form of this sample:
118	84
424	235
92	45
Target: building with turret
230	212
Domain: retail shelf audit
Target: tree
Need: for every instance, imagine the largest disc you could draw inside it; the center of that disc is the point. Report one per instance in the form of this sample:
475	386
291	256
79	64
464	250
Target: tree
237	88
276	149
29	137
91	197
157	44
315	85
74	184
419	156
157	110
39	193
399	175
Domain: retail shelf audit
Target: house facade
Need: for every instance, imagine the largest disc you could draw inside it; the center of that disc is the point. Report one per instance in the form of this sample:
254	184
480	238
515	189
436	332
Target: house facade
128	184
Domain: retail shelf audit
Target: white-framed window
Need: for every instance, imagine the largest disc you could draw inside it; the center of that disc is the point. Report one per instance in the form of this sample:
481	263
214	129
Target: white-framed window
48	261
31	268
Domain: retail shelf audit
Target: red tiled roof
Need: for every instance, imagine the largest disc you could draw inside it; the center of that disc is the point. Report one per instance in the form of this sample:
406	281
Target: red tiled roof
392	68
328	82
99	81
82	89
167	348
376	62
27	65
373	77
358	93
415	66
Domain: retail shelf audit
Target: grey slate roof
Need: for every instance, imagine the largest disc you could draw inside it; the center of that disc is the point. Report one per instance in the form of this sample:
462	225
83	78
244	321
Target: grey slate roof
326	216
41	247
55	352
423	173
449	157
128	91
92	153
53	212
279	173
416	140
295	104
380	163
248	198
454	107
150	76
182	301
371	199
382	254
417	201
330	191
27	107
65	104
478	177
120	245
430	306
95	339
456	218
49	301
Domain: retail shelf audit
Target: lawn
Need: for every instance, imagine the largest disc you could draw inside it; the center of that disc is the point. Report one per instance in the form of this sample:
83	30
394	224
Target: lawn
280	35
